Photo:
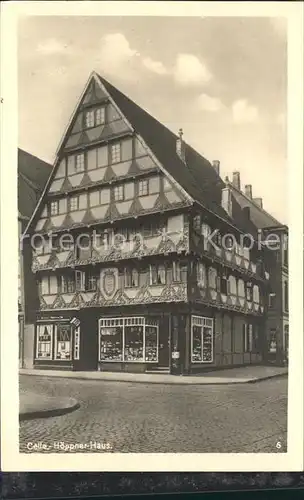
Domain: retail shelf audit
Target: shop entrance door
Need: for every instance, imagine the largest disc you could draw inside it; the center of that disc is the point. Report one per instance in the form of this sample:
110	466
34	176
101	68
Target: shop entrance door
163	346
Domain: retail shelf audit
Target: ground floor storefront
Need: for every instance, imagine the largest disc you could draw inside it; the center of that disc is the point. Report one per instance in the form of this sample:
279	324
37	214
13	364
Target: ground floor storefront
172	338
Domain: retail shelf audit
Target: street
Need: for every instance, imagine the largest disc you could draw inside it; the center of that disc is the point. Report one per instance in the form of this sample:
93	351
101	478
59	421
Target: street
154	418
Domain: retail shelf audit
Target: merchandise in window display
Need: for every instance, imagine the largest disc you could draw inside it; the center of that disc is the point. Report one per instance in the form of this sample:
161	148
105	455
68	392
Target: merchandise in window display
111	344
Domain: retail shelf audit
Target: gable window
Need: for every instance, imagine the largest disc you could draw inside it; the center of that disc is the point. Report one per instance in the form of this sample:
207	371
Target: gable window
143	188
115	150
89	119
157	275
95	117
119	193
176	272
131	278
54	207
79	163
74	203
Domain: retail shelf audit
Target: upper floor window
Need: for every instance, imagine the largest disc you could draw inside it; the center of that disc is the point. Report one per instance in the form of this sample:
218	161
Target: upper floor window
197	223
176	272
91	281
249	291
67	283
74	203
119	193
115	152
54	207
131	278
95	117
285	250
222	284
143	187
79	163
157	275
201	274
271	300
286	299
154	228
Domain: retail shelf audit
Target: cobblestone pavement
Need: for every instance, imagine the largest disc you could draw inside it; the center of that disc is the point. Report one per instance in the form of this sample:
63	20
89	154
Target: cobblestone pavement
126	417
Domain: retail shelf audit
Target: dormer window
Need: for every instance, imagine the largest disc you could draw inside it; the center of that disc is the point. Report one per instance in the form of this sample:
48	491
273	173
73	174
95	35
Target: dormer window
95	117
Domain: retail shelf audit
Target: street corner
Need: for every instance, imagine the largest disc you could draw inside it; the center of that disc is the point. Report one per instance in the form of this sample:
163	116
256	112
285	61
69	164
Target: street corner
32	406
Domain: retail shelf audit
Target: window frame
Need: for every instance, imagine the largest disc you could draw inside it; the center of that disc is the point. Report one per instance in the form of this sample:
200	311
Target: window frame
50	342
81	164
93	112
65	281
129	274
56	342
156	268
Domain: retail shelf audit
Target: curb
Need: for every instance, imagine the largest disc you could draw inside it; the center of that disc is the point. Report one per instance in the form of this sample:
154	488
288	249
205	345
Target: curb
161	382
53	412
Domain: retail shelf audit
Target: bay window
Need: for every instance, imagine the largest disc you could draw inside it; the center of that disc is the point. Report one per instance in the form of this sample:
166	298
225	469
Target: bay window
130	339
202	337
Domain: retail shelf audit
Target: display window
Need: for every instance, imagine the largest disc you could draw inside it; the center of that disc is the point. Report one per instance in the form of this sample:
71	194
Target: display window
63	341
202	332
130	339
44	341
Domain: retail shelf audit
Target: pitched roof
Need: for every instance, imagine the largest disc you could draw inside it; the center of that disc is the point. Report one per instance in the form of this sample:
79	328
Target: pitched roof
258	215
32	176
198	177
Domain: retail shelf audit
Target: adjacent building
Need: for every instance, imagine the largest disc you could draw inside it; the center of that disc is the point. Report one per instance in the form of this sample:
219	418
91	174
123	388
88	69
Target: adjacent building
127	275
32	176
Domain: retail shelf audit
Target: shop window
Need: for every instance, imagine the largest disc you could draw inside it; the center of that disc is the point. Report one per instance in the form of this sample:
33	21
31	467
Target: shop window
63	341
44	341
176	271
272	344
131	278
247	337
138	335
201	339
157	275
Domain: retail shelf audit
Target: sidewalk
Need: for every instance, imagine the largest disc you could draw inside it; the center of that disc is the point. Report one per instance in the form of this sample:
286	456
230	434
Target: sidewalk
242	375
33	405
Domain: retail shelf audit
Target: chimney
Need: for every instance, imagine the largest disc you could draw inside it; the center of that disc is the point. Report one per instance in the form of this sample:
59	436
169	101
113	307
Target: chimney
236	180
227	198
216	166
248	190
258	201
180	146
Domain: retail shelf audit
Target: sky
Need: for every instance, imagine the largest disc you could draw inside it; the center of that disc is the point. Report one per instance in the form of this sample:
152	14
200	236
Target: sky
222	80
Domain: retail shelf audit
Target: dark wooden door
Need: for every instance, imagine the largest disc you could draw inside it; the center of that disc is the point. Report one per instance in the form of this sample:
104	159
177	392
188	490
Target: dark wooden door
164	343
88	354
